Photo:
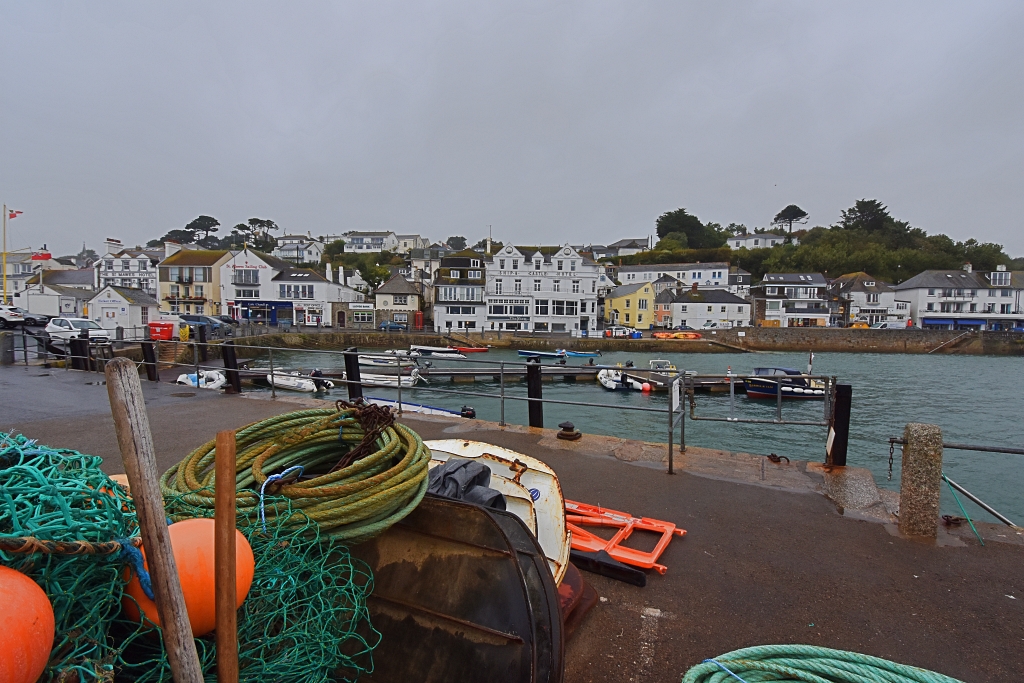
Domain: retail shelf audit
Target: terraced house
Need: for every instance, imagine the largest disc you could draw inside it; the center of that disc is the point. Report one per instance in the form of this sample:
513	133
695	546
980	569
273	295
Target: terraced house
459	293
631	305
190	281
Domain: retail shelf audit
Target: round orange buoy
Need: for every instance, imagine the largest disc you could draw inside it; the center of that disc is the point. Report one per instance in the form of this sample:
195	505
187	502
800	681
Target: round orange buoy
645	387
26	628
192	543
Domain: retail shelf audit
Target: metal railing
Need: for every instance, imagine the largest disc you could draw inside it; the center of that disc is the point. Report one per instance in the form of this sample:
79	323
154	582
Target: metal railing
692	381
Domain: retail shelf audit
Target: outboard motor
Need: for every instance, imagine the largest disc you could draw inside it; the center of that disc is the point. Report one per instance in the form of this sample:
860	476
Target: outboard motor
468	412
318	383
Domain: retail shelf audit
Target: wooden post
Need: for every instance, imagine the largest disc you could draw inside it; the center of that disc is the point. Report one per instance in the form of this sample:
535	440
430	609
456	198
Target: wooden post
136	443
534	390
224	551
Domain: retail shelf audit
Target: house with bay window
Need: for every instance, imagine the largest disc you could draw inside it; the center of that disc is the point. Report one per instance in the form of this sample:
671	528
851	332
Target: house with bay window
542	289
791	300
459	286
964	299
399	301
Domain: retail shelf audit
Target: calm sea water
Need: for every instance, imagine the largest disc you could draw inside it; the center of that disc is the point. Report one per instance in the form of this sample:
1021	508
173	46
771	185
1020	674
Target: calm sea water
973	399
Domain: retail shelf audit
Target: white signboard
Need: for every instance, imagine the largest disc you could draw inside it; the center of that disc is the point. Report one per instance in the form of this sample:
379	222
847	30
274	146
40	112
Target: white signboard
675	395
360	307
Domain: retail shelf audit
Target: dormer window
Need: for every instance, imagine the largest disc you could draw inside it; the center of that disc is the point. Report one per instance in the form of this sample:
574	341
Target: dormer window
474	263
869	283
455	275
536	264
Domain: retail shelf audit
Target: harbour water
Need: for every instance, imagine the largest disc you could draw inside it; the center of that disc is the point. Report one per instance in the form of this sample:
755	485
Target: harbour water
972	398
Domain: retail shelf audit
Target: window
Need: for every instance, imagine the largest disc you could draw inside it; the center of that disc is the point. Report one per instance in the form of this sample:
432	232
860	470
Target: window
247	293
1000	279
474	275
447	294
175	291
593	286
517	286
723	309
454	274
639	318
1004	308
773	305
540	327
642	304
540	307
201	274
536	285
362	317
497	286
501	264
683	308
108	264
400	317
557	307
930	307
572	265
771	291
931	292
246	276
571	307
575	286
559	265
696	275
199	309
536	264
175	308
558	327
627	303
974	308
627	317
401	299
872	298
556	286
515	264
199	291
474	263
1005	292
126	264
991	293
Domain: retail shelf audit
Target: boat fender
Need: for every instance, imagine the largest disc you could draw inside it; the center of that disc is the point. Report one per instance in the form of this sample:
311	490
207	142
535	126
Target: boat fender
468	412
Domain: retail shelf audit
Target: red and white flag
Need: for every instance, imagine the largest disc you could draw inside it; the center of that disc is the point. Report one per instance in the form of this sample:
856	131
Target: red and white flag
14	214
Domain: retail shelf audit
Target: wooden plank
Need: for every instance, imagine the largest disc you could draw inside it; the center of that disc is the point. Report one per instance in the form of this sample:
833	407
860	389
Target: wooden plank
224	549
136	443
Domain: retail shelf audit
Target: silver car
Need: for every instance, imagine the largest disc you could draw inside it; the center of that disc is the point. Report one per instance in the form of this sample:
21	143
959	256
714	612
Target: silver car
71	328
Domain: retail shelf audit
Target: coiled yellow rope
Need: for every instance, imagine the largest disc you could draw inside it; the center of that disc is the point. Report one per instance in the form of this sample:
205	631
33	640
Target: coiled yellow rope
351	504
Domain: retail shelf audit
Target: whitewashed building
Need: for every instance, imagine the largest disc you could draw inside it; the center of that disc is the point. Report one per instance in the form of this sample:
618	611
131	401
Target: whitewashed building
964	299
459	293
131	309
791	300
299	249
758	240
696	307
864	298
712	275
542	289
360	242
406	243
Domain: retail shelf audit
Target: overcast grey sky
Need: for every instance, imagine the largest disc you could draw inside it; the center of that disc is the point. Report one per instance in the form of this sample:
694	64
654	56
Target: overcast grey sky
551	121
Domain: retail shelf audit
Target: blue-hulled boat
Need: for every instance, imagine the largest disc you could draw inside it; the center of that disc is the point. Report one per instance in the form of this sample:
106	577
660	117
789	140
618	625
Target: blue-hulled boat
558	353
766	383
578	354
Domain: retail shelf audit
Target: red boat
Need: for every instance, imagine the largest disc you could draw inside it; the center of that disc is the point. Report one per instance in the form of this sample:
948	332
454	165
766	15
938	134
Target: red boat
470	349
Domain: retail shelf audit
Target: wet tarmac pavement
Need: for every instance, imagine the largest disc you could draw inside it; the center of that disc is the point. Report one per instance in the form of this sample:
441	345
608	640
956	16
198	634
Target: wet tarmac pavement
759	564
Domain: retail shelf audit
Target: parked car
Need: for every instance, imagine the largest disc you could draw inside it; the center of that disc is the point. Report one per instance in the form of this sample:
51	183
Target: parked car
391	326
716	325
10	316
213	325
34	319
226	319
890	325
619	331
70	328
684	328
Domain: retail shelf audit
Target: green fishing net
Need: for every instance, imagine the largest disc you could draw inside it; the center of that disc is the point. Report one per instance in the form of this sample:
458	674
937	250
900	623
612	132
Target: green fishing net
305	618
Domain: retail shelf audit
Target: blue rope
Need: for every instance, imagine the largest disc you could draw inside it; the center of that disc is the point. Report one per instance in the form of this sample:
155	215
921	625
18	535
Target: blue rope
272	478
133	556
724	668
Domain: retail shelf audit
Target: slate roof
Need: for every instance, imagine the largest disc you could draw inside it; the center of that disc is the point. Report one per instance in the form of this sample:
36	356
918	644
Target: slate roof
630	243
805	279
397	285
300	275
73	292
626	290
83	276
857	282
665	296
938	279
132	296
194	257
709	296
667	279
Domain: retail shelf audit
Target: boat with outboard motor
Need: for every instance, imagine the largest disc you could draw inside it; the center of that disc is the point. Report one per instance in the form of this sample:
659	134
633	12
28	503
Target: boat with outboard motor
578	354
542	354
614	379
531	489
294	381
208	379
386	360
766	382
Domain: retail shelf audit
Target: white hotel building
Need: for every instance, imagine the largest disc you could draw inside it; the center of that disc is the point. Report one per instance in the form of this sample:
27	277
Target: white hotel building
541	289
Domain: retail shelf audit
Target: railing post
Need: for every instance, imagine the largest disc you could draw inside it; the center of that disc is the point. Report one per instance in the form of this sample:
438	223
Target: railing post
353	381
839	430
920	480
273	387
671	423
231	368
202	336
149	360
534	391
501	380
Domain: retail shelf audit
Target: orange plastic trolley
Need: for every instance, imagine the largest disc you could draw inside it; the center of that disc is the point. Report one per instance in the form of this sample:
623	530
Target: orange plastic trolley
579	515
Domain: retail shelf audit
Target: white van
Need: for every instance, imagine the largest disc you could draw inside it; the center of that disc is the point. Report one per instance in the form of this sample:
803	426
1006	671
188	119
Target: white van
890	325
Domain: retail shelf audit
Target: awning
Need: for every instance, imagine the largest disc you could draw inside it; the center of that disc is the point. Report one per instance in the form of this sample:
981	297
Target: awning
937	321
970	322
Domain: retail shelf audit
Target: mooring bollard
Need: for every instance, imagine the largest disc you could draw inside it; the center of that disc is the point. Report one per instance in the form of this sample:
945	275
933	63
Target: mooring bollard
231	368
355	388
839	430
149	360
533	391
920	479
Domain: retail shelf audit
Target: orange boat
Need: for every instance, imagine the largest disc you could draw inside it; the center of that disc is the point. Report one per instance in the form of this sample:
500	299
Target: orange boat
676	335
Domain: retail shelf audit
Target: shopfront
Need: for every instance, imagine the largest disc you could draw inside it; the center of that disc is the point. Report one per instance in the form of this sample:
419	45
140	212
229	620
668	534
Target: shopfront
264	312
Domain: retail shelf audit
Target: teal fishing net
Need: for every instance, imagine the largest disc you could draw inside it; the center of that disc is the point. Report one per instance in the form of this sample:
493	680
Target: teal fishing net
305	618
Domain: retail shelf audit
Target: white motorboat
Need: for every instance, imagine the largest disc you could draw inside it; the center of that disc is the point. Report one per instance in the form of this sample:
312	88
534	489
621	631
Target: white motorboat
293	381
531	489
408	407
374	380
614	379
208	379
437	351
663	366
386	360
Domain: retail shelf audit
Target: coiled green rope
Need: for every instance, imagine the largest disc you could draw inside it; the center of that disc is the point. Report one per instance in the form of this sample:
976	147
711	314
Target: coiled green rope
806	663
351	504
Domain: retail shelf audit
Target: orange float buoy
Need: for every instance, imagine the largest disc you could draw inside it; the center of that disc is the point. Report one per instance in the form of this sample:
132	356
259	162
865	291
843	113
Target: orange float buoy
192	543
646	387
26	628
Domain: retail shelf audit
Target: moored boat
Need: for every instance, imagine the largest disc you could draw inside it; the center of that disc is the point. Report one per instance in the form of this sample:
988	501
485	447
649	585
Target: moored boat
208	379
578	354
766	383
542	354
386	360
472	349
409	407
293	381
614	379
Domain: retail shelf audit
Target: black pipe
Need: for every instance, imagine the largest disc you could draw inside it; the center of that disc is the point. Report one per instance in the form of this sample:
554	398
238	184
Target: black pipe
203	350
355	389
839	433
149	361
534	390
231	368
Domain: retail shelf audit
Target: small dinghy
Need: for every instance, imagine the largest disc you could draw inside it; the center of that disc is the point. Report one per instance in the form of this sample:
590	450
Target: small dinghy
578	354
386	360
531	489
293	381
208	379
616	380
542	354
409	407
374	380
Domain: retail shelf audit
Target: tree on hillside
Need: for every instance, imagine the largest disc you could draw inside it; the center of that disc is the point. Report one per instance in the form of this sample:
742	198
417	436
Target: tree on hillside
456	242
182	235
256	232
375	275
698	236
482	244
333	250
791	214
203	224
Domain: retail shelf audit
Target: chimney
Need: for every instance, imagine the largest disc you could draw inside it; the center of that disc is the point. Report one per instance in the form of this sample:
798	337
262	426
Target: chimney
341	275
330	273
112	245
1000	269
171	247
967	267
693	288
487	251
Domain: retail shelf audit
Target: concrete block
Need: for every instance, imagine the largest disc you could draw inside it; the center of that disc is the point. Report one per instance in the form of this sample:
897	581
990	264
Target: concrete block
920	480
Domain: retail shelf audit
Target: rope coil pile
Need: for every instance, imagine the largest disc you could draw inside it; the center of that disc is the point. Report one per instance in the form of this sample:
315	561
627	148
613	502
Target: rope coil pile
806	663
365	472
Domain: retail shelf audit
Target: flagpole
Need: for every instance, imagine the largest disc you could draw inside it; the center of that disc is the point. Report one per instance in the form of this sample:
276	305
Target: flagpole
5	255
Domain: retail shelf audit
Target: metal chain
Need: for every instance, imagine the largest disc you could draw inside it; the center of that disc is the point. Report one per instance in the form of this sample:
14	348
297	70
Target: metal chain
892	449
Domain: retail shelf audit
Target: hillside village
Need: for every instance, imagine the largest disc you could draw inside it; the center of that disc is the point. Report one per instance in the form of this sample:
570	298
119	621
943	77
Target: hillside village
573	289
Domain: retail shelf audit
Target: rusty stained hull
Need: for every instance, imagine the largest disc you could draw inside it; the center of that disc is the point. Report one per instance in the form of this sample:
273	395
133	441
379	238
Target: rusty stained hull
462	593
515	475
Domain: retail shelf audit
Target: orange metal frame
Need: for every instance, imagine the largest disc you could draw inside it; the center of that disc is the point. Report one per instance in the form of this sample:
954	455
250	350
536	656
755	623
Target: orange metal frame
579	515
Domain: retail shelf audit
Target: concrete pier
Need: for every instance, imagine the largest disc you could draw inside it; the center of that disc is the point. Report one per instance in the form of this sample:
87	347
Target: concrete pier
768	558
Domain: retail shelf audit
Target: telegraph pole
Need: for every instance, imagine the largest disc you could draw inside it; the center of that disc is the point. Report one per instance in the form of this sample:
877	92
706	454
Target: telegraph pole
4	299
